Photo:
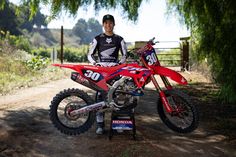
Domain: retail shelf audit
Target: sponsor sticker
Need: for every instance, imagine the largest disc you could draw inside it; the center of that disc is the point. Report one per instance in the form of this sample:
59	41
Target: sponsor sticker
122	124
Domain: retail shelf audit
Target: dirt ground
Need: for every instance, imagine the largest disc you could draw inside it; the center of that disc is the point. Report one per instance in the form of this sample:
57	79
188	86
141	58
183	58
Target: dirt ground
25	128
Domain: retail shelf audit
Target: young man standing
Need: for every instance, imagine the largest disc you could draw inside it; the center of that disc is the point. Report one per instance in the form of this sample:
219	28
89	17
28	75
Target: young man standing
107	45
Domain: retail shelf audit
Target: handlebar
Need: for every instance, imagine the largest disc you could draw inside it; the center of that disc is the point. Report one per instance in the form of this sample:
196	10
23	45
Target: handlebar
151	41
144	48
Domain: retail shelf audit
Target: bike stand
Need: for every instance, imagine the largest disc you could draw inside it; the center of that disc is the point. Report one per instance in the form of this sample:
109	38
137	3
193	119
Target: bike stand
122	120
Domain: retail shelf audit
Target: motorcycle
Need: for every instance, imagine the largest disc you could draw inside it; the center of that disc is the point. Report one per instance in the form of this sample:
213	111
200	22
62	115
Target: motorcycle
73	111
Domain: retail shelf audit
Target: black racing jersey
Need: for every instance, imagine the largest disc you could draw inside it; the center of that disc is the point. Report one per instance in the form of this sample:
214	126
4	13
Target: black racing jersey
108	48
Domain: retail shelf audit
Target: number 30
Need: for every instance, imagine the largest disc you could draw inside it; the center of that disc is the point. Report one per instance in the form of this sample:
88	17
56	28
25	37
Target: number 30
151	59
93	75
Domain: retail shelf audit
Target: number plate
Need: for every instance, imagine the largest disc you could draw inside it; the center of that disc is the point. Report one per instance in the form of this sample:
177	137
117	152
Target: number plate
92	75
150	57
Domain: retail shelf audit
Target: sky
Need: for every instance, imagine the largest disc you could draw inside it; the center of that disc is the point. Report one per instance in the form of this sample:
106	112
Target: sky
152	22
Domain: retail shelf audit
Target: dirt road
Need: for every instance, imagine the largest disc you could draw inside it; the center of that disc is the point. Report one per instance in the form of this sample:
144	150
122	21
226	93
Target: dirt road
25	130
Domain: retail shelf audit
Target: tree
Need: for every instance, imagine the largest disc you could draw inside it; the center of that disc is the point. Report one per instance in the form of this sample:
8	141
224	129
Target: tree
81	29
8	18
130	7
94	28
26	23
39	20
16	18
87	30
213	26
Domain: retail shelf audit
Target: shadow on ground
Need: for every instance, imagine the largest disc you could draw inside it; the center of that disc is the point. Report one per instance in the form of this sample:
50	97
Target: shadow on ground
29	132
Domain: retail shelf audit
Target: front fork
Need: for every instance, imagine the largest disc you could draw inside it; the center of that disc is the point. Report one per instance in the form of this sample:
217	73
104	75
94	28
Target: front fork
164	100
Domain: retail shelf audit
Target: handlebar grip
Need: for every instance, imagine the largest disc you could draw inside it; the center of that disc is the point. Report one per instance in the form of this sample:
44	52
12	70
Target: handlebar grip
151	41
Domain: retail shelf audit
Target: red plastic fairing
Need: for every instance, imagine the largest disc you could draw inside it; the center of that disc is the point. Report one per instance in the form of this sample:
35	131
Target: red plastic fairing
171	74
69	66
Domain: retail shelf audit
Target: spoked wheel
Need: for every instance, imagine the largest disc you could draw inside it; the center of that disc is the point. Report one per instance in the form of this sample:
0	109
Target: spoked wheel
185	117
60	112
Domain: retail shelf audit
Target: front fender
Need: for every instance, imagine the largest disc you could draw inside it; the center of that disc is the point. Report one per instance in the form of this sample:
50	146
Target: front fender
175	76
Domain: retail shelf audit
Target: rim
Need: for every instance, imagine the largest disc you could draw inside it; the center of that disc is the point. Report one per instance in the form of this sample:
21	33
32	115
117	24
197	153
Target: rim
66	106
183	116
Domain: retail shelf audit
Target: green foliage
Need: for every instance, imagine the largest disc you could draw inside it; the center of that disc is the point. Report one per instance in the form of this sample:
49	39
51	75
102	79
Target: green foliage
70	54
129	7
11	70
213	26
8	18
25	22
19	42
76	54
2	4
17	18
15	66
15	74
43	52
37	63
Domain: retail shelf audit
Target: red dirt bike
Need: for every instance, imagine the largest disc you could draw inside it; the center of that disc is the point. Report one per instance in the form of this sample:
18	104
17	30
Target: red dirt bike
73	111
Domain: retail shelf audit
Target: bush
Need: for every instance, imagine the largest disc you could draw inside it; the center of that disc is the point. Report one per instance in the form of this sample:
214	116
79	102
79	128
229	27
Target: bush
76	54
70	54
43	52
37	63
20	42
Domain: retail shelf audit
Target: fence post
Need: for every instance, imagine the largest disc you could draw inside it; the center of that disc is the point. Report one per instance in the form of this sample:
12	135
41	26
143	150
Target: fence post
61	45
185	53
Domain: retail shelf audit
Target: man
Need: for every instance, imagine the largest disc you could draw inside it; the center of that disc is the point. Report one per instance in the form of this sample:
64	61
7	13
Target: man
107	45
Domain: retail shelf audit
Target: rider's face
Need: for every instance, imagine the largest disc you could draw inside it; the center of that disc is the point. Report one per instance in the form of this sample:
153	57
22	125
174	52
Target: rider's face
108	26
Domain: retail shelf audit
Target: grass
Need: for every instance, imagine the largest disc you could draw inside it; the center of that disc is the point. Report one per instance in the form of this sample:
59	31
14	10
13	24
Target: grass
14	74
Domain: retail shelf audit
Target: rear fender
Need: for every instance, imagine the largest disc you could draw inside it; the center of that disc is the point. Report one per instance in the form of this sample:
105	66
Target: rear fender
175	76
69	66
99	85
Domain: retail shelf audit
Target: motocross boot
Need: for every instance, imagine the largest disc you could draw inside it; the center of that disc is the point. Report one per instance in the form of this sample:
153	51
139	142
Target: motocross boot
100	123
100	118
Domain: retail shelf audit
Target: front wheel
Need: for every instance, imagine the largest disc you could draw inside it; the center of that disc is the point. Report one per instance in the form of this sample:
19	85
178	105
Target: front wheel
184	118
63	104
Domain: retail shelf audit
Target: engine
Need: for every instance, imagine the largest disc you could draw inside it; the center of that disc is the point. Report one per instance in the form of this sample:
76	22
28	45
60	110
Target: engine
123	96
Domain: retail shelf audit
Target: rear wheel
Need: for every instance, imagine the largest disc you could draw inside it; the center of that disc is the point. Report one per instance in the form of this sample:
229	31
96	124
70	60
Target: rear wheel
63	104
185	117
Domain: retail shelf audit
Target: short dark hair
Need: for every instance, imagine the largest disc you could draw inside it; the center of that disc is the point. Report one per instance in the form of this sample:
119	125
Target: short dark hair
108	17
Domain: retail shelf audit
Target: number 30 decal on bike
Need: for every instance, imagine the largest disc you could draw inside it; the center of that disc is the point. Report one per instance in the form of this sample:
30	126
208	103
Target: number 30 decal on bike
95	76
151	58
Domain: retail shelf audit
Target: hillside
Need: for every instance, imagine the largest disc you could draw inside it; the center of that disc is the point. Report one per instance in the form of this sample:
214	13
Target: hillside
52	37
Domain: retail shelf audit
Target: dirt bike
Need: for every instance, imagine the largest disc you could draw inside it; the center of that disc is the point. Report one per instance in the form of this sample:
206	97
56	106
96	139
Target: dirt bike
73	111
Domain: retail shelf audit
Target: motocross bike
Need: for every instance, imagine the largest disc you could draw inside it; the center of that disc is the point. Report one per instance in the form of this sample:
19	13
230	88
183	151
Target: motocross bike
73	111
